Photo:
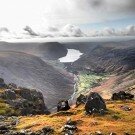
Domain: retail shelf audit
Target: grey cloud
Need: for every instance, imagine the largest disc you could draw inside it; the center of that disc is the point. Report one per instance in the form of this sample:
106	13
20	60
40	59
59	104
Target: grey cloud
4	29
30	31
53	29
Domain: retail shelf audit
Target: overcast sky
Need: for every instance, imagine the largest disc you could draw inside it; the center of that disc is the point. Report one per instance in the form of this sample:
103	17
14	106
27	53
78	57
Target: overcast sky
55	14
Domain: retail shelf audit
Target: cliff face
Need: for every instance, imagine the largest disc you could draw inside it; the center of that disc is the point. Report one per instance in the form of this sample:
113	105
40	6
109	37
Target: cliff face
21	101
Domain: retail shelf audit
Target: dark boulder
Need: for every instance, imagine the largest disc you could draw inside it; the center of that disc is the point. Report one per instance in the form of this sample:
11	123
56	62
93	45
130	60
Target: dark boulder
122	95
95	104
63	106
81	99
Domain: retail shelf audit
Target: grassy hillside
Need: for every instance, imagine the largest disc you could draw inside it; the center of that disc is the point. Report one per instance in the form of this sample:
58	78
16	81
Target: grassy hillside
116	120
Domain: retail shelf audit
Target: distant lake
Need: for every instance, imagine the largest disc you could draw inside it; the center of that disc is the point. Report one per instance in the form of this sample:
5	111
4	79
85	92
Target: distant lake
71	56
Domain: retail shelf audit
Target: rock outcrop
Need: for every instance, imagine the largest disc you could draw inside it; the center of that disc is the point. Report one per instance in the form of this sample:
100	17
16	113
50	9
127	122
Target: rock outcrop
24	101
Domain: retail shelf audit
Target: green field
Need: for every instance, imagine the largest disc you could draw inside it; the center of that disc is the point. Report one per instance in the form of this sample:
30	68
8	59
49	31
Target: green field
86	81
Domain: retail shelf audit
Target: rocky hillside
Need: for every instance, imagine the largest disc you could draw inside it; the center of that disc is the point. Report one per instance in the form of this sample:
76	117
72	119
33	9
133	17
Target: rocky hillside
20	101
119	120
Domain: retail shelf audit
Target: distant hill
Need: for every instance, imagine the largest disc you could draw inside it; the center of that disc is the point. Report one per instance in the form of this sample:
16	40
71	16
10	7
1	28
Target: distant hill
48	50
108	57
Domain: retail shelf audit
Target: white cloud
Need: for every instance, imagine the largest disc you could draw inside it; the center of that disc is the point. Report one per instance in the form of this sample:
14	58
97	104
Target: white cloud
28	32
72	31
127	31
37	13
66	31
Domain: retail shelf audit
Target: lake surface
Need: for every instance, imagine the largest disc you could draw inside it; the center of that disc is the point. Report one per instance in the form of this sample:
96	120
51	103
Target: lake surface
71	56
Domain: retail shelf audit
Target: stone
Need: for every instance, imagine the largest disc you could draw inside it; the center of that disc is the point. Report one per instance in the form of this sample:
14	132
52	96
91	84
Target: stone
10	94
63	106
122	95
2	117
95	104
2	83
81	99
125	133
12	86
98	133
70	127
126	108
48	130
112	133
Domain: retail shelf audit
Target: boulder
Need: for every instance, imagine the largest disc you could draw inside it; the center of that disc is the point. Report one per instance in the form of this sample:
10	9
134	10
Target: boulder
10	94
122	95
2	83
12	86
81	99
4	128
95	104
63	106
44	131
70	127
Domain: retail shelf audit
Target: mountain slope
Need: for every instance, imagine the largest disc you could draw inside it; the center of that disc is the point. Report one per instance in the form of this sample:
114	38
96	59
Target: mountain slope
32	72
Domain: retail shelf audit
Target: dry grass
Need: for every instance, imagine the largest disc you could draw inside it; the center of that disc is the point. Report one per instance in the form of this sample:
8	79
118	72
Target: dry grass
116	120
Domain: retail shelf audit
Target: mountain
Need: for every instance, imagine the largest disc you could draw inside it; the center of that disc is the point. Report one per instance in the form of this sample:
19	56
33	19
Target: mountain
47	51
32	72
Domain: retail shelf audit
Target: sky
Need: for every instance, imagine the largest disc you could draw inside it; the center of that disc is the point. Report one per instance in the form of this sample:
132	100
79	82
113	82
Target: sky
26	18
